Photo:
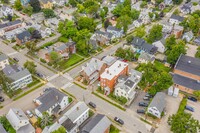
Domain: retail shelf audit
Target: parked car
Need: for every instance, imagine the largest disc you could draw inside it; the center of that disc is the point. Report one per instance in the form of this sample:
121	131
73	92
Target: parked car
148	95
143	104
146	98
93	105
189	108
118	120
15	59
192	99
39	74
1	99
29	113
140	111
46	89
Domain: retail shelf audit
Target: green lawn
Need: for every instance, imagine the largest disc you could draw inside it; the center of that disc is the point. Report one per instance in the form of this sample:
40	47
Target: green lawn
64	64
113	129
161	67
35	81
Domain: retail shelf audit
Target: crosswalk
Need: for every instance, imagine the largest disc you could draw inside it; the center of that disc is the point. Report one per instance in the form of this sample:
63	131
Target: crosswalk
69	84
10	54
52	77
67	76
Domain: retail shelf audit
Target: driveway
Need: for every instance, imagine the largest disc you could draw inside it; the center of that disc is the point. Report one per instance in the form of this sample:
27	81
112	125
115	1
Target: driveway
196	106
172	105
191	50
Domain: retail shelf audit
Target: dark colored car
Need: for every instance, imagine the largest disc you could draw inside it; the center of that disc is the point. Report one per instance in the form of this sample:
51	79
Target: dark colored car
143	104
92	104
15	59
39	74
189	108
46	89
140	111
148	95
1	99
120	121
192	99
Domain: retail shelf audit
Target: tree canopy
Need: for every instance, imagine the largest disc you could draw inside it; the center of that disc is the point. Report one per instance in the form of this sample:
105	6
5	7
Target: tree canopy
18	6
140	31
48	13
36	5
155	33
60	130
30	65
86	23
46	120
54	56
123	22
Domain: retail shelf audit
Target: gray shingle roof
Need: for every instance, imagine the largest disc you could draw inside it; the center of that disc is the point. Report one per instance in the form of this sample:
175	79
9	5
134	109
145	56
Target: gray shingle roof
3	57
98	124
188	64
186	82
68	125
158	101
24	34
197	40
49	99
146	56
113	28
179	18
2	130
10	23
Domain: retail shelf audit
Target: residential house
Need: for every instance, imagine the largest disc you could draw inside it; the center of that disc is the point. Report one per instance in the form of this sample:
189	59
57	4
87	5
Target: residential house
45	31
197	41
92	70
64	49
52	101
3	61
187	74
46	4
117	33
78	113
5	27
140	46
11	35
127	84
19	121
2	129
175	19
168	2
188	36
137	23
25	2
109	60
51	23
167	27
23	37
109	77
38	18
144	16
194	8
177	31
98	124
146	58
157	105
6	10
60	2
186	8
160	45
19	77
161	6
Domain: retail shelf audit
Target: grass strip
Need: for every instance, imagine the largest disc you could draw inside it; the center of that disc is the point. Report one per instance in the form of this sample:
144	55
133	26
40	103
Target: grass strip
80	85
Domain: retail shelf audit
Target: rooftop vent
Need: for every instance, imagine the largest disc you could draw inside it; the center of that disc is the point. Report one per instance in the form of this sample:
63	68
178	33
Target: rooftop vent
198	81
189	62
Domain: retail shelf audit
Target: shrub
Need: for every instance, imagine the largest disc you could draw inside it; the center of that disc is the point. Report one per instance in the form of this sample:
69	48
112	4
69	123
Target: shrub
43	60
49	64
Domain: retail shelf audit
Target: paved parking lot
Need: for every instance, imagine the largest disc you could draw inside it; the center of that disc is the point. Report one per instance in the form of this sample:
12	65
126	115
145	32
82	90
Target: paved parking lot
191	50
196	106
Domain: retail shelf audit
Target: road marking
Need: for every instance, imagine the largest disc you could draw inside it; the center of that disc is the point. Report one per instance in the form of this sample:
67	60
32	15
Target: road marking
50	85
69	84
10	54
66	75
52	77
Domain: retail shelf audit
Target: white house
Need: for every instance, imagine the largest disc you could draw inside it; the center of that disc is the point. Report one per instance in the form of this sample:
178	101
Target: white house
6	10
52	101
167	27
168	2
3	61
157	105
175	19
126	85
19	121
115	31
19	76
188	36
146	58
160	44
78	113
60	2
45	32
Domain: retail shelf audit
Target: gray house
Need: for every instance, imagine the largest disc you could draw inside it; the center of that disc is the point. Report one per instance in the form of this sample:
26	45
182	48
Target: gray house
197	41
117	33
176	19
157	105
99	124
19	76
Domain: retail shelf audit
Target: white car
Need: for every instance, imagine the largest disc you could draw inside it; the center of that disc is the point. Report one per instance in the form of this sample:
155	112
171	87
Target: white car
28	112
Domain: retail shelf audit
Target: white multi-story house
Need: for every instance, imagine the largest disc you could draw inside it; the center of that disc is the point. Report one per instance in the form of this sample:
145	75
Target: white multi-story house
175	19
126	85
157	105
19	121
117	33
6	10
52	102
188	36
78	113
3	61
19	77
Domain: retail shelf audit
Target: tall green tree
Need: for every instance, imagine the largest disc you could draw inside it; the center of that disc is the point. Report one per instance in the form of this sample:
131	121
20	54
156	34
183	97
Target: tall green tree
60	130
46	120
155	33
28	10
48	13
36	5
31	46
5	1
54	56
18	6
135	14
86	23
177	2
30	65
197	94
170	42
140	31
123	22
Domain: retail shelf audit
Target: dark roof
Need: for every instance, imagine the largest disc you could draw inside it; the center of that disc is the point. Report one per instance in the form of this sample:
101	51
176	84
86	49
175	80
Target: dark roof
98	124
24	34
49	99
129	83
113	28
186	82
188	64
10	23
179	18
68	125
141	44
